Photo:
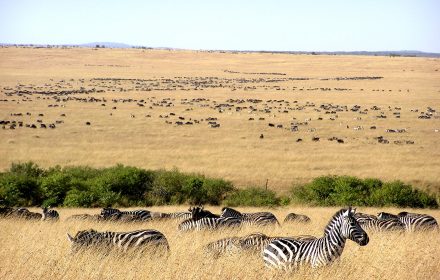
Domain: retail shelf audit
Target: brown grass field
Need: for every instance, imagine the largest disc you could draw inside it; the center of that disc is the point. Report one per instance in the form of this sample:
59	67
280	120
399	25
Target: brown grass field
146	86
40	250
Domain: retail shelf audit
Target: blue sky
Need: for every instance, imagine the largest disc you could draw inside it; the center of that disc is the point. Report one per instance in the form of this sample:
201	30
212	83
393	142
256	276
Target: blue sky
231	25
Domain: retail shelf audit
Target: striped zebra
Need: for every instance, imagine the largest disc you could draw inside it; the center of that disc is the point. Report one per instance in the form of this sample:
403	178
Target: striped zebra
288	253
171	216
85	217
258	218
292	217
372	223
50	215
412	221
133	215
381	225
24	213
209	224
138	240
253	243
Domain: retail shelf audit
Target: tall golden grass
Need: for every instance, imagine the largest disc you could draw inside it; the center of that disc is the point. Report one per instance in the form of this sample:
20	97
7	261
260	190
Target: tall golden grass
40	250
234	151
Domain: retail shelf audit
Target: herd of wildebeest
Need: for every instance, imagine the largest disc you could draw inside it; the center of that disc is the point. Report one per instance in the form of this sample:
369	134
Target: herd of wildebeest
279	252
58	94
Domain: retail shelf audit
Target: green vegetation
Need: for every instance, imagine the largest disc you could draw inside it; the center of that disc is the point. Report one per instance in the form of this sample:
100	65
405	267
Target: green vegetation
346	190
26	184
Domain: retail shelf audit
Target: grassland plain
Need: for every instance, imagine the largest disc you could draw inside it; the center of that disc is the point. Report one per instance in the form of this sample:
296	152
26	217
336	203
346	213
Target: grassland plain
38	250
133	100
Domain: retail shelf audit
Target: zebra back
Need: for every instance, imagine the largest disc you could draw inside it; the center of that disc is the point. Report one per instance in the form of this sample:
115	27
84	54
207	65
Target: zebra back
258	218
292	217
209	224
136	240
418	222
381	225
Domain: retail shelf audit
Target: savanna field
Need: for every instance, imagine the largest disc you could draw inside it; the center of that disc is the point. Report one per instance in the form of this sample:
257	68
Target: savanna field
40	250
253	119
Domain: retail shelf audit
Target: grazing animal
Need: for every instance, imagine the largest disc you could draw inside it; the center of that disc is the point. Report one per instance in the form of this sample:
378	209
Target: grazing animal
288	253
85	217
412	221
116	214
24	213
138	240
252	243
258	218
175	215
292	217
209	224
198	213
372	223
50	215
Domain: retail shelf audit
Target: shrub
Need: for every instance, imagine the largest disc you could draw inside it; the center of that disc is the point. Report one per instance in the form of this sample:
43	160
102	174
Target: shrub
19	190
252	197
345	190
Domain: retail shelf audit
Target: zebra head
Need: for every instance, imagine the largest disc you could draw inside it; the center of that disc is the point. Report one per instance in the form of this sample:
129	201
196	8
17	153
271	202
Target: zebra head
82	238
351	229
386	216
198	213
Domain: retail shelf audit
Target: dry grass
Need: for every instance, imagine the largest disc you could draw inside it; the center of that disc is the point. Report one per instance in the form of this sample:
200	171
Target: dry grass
233	151
36	250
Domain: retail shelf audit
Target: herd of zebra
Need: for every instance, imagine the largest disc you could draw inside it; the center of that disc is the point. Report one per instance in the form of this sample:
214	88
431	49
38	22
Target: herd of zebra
277	252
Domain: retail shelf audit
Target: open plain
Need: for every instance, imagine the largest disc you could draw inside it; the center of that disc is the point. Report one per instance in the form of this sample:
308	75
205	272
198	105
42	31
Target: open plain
245	117
40	250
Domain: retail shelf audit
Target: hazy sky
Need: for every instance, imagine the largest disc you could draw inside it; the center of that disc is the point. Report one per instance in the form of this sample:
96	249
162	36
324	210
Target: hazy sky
241	25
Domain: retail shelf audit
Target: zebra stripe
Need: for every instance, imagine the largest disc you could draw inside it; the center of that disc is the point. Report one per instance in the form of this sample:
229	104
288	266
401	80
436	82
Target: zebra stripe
254	243
412	221
209	224
175	215
381	225
116	214
288	253
50	214
137	240
258	218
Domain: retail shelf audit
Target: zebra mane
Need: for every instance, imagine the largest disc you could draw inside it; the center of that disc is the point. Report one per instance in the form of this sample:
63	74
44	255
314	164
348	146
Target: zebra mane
336	219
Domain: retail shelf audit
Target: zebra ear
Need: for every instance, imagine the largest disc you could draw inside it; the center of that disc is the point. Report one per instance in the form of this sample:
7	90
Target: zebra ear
345	213
353	211
70	238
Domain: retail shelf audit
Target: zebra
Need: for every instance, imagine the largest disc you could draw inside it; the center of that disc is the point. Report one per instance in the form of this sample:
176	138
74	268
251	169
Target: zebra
288	253
198	213
50	214
258	218
253	243
209	224
292	217
138	240
412	221
24	213
174	216
85	217
381	225
134	215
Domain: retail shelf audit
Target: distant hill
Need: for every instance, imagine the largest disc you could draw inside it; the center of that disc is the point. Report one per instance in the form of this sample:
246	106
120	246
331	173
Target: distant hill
114	45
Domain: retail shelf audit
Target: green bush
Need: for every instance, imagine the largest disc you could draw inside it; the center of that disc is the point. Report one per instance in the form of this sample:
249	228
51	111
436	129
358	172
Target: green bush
252	197
345	190
19	190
